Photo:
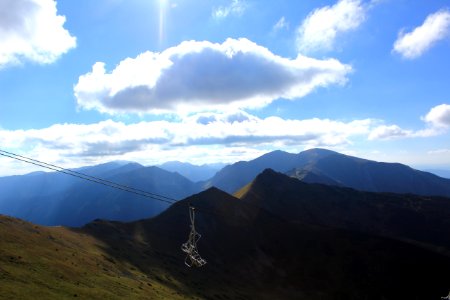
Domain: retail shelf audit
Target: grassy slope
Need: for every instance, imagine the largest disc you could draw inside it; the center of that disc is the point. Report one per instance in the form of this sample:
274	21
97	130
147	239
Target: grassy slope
58	263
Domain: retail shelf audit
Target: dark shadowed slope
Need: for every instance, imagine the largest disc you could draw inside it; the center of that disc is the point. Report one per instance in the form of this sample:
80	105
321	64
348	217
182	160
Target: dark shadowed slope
328	167
256	254
421	219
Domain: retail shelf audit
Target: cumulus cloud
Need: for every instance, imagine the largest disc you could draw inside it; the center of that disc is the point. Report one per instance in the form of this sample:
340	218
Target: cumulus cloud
415	43
439	116
235	8
198	76
321	27
31	30
392	132
437	119
205	136
385	132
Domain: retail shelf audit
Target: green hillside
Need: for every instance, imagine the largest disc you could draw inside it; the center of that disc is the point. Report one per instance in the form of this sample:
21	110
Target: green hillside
39	262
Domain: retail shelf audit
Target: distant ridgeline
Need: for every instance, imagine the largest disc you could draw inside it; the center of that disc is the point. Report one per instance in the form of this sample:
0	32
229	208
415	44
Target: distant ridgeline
328	167
58	199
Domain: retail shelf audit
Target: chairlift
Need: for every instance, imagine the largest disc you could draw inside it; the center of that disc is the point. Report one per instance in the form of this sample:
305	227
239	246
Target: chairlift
193	258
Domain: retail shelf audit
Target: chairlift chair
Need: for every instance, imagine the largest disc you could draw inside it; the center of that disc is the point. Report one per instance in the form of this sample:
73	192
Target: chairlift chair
193	258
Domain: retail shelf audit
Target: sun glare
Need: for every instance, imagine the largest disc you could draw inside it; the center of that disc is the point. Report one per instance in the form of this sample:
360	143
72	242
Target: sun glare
162	12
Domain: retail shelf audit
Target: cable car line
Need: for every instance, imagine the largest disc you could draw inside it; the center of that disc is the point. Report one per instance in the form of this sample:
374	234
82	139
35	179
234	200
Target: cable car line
190	247
89	177
193	258
98	180
112	184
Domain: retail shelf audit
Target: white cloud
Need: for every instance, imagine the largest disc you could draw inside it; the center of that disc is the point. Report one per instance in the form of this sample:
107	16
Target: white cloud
439	116
236	8
32	30
281	24
437	119
225	137
198	76
386	132
321	27
392	132
413	44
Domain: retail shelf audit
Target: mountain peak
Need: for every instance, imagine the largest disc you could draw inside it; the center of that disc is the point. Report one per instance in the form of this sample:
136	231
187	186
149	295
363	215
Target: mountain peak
320	151
268	178
209	197
213	192
268	172
275	152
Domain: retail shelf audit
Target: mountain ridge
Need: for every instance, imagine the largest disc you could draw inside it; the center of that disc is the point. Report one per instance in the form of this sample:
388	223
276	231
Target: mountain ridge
57	199
424	219
326	166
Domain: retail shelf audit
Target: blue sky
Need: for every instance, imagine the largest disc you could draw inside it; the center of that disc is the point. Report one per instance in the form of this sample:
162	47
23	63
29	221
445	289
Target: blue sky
84	82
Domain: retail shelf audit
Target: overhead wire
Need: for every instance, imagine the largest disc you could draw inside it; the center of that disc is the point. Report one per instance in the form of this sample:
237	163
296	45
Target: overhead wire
112	184
87	177
98	180
189	247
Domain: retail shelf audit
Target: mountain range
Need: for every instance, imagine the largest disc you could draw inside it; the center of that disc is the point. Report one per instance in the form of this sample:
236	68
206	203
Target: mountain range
329	167
58	199
278	238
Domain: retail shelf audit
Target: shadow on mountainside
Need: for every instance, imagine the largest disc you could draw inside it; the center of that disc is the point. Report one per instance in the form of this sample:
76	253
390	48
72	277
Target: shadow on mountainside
252	253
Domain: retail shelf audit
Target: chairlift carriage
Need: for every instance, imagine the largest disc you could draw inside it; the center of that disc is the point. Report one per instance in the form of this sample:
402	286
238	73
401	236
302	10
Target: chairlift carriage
193	258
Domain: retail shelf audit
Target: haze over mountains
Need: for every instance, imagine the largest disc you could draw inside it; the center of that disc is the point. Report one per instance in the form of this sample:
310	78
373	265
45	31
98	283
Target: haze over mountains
192	172
58	199
440	172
